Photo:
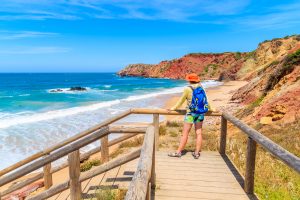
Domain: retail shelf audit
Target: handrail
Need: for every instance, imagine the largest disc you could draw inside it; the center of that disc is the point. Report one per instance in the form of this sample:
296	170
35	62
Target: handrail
102	130
65	164
138	187
167	112
54	156
87	175
92	129
63	143
288	158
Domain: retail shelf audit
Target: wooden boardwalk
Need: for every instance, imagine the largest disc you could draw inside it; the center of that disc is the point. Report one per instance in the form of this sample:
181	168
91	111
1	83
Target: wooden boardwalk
207	178
119	177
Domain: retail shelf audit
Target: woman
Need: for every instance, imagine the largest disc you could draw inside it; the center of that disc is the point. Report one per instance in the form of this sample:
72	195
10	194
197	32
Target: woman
190	117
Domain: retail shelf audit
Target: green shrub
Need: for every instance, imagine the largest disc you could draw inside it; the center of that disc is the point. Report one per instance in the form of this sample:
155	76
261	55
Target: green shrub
251	55
88	164
238	55
110	194
287	67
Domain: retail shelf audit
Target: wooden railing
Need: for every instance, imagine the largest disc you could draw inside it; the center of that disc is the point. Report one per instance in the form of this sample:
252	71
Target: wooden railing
144	178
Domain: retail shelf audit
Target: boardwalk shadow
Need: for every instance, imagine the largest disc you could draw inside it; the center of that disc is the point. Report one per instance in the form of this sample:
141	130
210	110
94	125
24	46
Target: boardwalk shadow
237	175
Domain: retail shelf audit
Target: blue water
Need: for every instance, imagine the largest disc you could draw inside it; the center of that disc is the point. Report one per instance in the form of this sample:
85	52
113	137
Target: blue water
32	117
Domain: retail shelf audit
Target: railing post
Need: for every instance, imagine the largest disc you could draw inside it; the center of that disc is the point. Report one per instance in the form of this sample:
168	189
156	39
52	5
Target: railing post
104	149
223	136
74	173
250	166
153	173
156	130
47	176
148	195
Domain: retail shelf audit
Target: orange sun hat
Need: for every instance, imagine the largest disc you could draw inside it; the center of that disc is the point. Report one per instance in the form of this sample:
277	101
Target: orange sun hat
192	77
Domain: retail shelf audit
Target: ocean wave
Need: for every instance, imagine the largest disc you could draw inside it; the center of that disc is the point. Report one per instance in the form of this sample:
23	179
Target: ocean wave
107	86
23	118
36	117
6	97
114	90
67	90
24	95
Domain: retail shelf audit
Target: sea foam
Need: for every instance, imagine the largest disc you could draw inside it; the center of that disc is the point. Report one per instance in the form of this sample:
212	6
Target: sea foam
29	117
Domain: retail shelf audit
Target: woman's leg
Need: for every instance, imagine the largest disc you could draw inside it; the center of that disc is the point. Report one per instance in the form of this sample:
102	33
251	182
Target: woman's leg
198	130
185	133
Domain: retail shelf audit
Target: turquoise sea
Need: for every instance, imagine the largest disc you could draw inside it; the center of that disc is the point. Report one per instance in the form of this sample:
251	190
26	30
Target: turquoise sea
33	117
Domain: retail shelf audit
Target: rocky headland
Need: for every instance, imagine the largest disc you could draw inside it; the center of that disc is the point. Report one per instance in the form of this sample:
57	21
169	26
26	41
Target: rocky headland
272	70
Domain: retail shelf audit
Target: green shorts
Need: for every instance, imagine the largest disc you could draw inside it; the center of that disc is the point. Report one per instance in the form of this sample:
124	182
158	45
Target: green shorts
193	118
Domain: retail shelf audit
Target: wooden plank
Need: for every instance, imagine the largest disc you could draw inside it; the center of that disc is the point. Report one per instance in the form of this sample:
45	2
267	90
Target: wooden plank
223	135
47	176
104	149
125	174
74	174
139	184
181	177
216	184
250	166
197	188
288	158
156	130
89	174
206	195
125	128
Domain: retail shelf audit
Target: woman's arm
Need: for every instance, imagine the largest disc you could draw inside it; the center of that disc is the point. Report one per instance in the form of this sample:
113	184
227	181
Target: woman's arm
181	100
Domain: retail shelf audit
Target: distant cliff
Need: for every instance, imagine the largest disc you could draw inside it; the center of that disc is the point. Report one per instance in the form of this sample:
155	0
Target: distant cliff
221	66
273	72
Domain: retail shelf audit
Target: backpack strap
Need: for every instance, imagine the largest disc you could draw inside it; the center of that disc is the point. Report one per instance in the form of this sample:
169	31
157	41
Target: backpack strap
191	87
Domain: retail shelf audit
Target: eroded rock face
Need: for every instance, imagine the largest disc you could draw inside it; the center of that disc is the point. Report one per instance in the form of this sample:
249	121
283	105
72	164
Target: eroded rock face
275	92
207	66
223	66
273	72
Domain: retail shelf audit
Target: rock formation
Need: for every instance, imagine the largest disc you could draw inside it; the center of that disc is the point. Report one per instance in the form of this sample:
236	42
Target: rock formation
273	72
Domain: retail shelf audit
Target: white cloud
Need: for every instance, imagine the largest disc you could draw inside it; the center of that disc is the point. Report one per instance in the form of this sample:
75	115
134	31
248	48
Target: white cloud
34	50
12	35
273	18
175	10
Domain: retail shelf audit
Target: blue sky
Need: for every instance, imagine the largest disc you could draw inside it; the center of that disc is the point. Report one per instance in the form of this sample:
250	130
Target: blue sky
106	35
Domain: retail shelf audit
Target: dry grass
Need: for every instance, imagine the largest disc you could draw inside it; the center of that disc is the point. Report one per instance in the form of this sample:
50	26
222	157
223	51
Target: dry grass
110	194
124	146
273	179
137	141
